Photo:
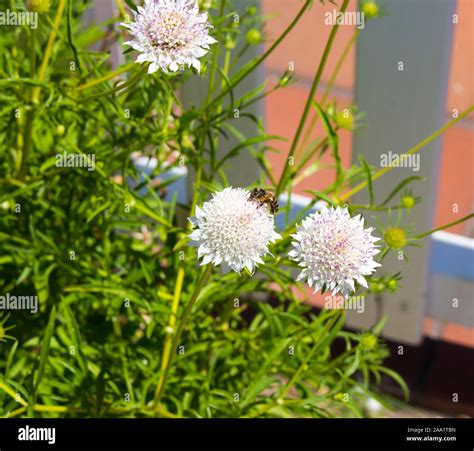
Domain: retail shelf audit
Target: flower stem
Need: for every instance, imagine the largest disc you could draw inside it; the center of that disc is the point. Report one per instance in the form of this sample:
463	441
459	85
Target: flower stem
110	75
296	375
121	8
301	368
414	149
215	53
262	58
445	226
165	360
36	91
182	322
49	49
309	101
329	86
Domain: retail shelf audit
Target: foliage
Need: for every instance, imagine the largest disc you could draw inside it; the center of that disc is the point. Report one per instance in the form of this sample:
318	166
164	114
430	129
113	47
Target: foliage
105	250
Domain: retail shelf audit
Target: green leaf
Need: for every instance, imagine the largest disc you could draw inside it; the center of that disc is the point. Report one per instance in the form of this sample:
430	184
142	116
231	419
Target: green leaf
399	187
143	208
260	381
368	176
247	143
397	378
45	344
99	210
11	354
322	196
333	140
377	329
74	332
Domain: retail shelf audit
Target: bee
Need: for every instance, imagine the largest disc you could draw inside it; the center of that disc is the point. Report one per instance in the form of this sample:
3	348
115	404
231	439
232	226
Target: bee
262	197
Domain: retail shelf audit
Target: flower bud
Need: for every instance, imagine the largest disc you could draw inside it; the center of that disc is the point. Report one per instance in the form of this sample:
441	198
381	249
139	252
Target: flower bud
253	37
395	238
370	9
392	284
6	205
408	201
285	79
377	287
368	342
39	6
252	10
229	44
345	119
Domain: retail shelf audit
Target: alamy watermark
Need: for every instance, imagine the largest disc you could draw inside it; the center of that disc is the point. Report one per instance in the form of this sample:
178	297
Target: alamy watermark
335	17
351	303
395	160
12	302
10	18
75	160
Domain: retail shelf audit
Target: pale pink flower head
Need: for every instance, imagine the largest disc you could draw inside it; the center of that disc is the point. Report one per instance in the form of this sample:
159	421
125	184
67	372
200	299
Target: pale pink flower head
334	250
170	34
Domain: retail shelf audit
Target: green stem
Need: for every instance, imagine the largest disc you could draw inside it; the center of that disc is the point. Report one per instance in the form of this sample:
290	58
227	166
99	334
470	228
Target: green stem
330	85
35	93
121	8
27	139
110	75
301	368
182	322
121	87
296	375
215	136
215	54
262	58
323	142
27	136
413	150
49	49
165	360
446	226
314	86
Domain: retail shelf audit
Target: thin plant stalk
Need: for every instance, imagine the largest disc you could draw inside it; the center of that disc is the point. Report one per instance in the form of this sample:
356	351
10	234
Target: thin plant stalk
262	58
445	226
416	148
329	86
177	335
284	176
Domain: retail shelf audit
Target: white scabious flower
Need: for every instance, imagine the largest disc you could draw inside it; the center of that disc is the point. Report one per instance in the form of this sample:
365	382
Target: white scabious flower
233	231
334	250
169	34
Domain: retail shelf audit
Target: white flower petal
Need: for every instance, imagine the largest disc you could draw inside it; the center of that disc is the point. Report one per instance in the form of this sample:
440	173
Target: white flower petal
233	231
334	250
170	34
195	235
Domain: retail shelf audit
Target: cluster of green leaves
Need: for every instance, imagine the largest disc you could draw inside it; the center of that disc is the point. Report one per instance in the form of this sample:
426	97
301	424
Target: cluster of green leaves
103	256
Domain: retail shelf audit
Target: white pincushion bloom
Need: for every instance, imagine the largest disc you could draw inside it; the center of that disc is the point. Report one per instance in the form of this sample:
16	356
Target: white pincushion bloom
334	251
233	231
169	34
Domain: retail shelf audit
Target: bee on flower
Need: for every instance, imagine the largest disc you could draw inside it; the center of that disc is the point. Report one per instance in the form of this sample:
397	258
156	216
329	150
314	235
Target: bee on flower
233	229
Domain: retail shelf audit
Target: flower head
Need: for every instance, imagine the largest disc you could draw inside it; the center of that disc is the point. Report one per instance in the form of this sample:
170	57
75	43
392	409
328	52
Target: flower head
233	230
334	250
170	33
368	341
395	237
